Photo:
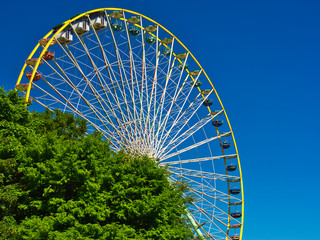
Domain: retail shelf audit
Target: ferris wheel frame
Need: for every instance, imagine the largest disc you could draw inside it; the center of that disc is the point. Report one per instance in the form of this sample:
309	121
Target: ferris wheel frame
52	36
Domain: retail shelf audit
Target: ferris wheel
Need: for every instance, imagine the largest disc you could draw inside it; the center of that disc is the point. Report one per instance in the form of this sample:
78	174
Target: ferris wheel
136	83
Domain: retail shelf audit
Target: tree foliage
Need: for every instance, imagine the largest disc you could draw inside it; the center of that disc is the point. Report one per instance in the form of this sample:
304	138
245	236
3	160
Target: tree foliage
57	182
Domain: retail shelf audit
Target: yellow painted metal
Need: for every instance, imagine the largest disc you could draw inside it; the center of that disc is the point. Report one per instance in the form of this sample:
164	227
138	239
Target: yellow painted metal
196	61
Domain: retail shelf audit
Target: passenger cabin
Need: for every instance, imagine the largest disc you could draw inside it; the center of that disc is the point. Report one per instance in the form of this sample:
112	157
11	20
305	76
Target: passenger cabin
65	36
217	123
235	237
166	40
81	26
196	84
33	61
207	102
181	55
225	145
116	14
116	26
236	215
29	102
235	191
206	92
234	180
134	31
134	20
194	73
151	28
236	203
181	67
44	41
37	76
48	55
23	87
235	226
150	39
98	20
231	168
166	51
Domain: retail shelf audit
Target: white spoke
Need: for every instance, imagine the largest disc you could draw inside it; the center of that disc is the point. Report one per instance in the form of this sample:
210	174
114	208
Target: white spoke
201	174
197	160
193	146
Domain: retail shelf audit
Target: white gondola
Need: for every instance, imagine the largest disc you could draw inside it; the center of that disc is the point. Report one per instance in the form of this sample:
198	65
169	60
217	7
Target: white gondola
98	21
81	26
65	36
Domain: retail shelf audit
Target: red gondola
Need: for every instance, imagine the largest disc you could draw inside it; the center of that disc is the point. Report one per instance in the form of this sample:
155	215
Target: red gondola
231	168
48	56
236	215
36	77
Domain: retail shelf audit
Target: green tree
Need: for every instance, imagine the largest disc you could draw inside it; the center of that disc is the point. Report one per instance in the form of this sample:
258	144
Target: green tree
56	182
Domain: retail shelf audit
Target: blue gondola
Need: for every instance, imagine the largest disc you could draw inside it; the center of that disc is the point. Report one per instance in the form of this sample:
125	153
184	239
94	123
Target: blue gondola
236	203
231	168
134	31
116	26
236	215
150	39
180	66
234	191
197	84
207	102
217	123
166	51
235	237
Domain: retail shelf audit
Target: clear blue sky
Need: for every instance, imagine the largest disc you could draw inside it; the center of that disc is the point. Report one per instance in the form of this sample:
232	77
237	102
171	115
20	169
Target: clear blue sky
264	60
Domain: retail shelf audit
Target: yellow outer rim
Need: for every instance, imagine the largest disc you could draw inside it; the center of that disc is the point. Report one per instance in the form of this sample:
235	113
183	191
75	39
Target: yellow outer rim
66	23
